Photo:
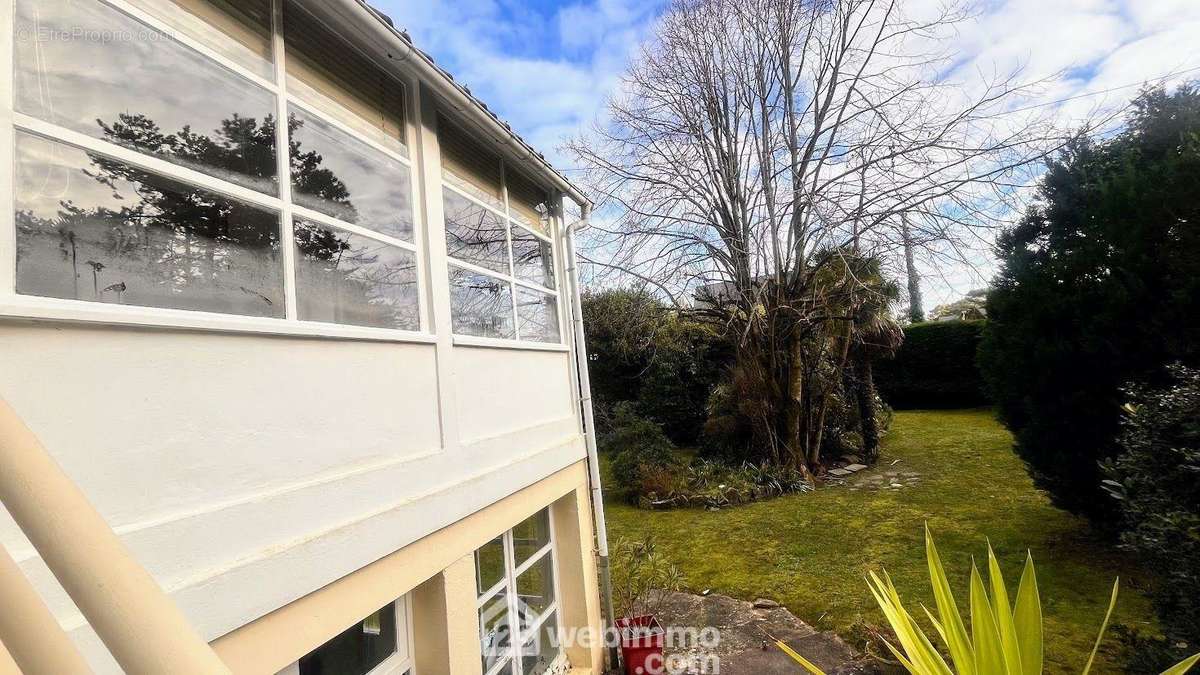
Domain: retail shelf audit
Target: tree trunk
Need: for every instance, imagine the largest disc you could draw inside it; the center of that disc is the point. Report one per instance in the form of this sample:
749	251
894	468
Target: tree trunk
864	392
795	403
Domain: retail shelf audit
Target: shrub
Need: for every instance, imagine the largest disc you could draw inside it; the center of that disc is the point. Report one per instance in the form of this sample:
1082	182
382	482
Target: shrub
934	368
638	447
715	484
642	352
1099	285
686	363
1156	480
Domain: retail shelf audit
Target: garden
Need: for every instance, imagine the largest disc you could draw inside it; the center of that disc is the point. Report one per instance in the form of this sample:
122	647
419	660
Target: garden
1054	416
778	417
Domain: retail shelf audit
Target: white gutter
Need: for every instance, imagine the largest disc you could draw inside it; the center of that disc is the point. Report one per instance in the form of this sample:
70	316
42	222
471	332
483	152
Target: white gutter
589	427
367	26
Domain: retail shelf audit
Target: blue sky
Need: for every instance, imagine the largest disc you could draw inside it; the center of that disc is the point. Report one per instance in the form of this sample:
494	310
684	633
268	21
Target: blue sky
546	66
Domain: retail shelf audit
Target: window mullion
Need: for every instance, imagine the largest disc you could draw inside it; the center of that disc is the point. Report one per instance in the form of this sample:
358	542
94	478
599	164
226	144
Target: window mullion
284	165
512	266
139	160
326	220
534	558
514	621
8	230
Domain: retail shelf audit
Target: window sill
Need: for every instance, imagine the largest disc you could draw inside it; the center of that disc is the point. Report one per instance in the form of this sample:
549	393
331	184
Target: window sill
498	343
21	307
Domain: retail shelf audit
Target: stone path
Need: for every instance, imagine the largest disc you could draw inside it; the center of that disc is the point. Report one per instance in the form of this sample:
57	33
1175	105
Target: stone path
886	478
883	476
743	648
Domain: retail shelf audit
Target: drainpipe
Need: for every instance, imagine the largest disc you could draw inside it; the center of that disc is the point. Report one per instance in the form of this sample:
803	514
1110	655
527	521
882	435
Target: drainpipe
589	427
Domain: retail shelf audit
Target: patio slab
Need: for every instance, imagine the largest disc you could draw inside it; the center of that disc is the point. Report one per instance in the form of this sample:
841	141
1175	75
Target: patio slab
743	648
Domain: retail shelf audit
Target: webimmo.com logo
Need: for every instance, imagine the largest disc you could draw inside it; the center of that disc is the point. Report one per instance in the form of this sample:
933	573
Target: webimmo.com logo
539	642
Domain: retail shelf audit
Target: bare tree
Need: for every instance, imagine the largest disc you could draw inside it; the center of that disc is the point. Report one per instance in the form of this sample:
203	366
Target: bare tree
770	146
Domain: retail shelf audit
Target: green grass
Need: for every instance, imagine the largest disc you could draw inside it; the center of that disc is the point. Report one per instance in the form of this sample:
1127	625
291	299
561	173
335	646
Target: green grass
811	551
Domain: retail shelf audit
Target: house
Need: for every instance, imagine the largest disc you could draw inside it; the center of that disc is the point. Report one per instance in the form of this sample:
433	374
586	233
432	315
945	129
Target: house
321	378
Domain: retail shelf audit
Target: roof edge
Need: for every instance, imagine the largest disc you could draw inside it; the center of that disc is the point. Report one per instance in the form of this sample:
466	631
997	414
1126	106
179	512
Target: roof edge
512	146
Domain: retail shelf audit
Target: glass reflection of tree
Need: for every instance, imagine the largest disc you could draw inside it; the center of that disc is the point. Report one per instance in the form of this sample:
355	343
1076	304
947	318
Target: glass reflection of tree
181	232
475	234
538	319
361	281
484	303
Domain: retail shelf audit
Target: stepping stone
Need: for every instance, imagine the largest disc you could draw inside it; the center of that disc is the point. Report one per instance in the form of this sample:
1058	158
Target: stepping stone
765	603
856	467
839	472
896	485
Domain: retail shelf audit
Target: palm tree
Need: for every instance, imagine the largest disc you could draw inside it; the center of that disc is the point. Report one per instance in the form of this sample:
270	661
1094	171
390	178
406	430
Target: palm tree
875	334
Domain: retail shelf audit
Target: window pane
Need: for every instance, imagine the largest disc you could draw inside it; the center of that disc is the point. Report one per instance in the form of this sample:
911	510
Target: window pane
475	234
239	30
495	631
325	69
180	106
351	279
92	228
531	536
480	305
468	165
527	202
358	649
533	258
339	175
489	564
538	314
535	590
540	652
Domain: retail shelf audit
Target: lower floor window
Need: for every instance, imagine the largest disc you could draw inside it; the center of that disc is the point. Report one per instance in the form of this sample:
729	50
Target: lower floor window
378	645
517	600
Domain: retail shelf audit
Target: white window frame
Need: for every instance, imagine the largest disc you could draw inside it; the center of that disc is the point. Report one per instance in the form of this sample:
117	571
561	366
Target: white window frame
403	661
16	305
505	214
509	584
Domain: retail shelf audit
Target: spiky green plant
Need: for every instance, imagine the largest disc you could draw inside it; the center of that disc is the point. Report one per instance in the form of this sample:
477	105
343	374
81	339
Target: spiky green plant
1004	639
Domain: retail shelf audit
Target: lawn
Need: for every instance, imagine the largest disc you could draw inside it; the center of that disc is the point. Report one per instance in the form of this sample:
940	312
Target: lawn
811	551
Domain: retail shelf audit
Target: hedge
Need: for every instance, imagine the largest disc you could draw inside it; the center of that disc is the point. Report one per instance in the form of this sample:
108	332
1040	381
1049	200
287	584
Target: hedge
934	368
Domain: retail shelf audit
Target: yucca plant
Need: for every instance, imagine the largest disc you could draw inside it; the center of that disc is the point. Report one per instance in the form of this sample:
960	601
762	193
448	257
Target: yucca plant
1004	639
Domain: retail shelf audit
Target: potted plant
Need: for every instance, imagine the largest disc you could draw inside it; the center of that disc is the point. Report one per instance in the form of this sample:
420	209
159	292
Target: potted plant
643	580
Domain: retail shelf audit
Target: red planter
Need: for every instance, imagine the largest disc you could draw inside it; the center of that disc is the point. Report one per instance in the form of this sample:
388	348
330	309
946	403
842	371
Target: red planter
642	653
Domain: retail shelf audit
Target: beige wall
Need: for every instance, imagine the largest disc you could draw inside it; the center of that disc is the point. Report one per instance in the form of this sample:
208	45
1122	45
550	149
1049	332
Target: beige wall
439	570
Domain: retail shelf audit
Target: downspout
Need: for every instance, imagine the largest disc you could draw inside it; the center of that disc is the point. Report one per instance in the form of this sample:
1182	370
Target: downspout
589	430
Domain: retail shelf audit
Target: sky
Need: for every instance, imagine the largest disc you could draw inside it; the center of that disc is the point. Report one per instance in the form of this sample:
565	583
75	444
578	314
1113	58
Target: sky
547	66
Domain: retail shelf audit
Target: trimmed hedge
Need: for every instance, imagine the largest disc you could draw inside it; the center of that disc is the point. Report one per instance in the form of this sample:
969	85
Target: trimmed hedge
934	368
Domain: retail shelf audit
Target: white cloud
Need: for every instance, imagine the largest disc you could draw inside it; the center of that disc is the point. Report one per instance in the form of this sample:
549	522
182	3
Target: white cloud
549	71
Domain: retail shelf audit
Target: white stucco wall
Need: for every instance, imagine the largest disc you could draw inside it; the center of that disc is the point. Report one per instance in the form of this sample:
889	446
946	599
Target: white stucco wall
248	463
247	471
